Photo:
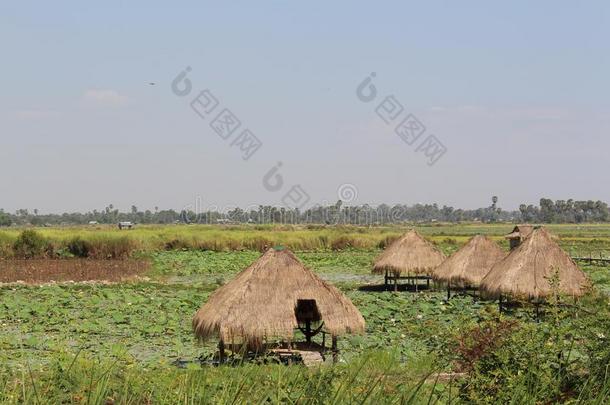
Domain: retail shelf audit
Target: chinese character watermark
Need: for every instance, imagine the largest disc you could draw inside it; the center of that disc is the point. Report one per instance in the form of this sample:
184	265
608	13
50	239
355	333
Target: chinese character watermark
409	128
228	127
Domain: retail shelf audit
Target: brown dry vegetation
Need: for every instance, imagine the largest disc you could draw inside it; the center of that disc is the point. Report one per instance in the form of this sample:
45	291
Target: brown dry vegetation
38	271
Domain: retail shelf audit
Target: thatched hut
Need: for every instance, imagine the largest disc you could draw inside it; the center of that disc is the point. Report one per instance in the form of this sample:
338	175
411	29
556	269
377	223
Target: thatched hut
528	271
410	257
267	301
518	235
467	267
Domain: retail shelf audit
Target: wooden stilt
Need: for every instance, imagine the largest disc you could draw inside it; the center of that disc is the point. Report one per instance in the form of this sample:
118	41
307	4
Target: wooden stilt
221	351
448	290
428	283
385	280
416	282
334	349
500	303
308	331
395	283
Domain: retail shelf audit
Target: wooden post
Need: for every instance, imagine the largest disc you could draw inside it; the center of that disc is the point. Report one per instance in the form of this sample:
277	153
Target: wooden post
428	283
334	349
308	331
500	303
395	282
385	279
416	282
221	351
448	290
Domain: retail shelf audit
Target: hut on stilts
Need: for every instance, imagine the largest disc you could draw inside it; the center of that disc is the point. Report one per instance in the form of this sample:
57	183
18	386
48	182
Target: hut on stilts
466	268
535	270
263	306
518	235
411	258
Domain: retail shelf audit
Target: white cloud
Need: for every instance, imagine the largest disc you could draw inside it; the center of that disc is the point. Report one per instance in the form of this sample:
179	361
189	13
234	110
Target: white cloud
105	96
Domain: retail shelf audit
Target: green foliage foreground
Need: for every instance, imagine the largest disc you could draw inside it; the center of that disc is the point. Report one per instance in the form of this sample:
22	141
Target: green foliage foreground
377	378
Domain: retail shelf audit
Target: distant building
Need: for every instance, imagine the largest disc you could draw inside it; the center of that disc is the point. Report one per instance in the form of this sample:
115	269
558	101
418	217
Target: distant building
126	225
93	222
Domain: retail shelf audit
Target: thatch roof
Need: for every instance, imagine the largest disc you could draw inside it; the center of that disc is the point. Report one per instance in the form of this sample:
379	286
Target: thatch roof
520	232
471	263
527	270
259	303
411	254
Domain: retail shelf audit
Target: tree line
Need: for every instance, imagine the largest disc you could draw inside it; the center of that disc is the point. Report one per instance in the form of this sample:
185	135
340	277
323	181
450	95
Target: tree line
560	211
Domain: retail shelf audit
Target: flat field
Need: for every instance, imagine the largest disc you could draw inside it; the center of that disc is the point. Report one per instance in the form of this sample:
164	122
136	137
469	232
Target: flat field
131	340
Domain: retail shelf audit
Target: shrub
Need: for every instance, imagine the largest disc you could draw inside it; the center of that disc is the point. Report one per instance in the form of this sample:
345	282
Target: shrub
258	243
6	246
450	241
29	244
177	244
112	248
480	341
79	247
387	241
596	344
342	242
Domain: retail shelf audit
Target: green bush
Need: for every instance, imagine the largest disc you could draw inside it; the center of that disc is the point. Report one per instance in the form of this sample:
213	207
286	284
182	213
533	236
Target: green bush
30	244
596	342
563	357
79	247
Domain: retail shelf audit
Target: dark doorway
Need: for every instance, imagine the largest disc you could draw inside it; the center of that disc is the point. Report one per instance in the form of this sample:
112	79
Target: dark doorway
308	318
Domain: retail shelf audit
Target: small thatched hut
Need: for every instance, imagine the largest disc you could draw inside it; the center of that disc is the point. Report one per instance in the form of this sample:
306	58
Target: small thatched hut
528	270
468	266
267	301
518	235
410	257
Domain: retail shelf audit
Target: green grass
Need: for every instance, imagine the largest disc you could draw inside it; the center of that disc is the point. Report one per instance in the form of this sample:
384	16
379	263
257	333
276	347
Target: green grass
377	378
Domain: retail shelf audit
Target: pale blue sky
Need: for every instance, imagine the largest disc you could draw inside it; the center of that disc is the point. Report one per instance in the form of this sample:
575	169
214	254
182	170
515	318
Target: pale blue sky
517	91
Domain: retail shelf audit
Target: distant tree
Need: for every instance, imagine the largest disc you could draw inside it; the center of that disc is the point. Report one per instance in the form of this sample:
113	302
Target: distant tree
5	219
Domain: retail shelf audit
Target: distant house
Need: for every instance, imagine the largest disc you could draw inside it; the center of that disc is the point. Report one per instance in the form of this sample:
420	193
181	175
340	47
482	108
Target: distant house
518	235
126	225
93	222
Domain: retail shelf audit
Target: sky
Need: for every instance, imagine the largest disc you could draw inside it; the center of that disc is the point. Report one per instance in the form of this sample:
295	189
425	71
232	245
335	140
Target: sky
516	95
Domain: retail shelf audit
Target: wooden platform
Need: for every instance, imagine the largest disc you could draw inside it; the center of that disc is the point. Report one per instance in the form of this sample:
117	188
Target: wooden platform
310	357
310	353
391	279
604	261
